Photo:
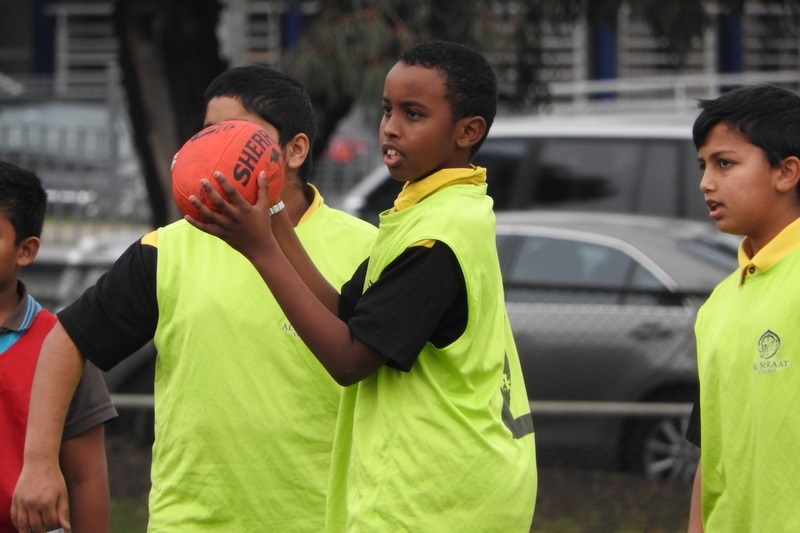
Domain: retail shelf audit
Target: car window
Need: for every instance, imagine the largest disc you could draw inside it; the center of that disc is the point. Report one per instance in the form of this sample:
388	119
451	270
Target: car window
618	175
547	269
503	161
624	174
657	190
593	173
722	250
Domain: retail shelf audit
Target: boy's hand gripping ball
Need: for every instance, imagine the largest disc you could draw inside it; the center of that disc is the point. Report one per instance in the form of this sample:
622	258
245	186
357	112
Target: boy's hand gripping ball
237	148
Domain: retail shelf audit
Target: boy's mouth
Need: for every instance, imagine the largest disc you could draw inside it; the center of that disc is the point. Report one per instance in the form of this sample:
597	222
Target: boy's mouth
391	156
714	208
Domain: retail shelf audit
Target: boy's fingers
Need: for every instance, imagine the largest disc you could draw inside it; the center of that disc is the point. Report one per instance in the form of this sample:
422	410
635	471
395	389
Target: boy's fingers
25	520
208	228
213	194
263	189
18	517
220	221
234	197
206	213
63	514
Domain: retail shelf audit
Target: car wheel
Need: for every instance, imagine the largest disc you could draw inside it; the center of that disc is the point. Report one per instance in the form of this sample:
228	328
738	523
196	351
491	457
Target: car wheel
665	453
657	447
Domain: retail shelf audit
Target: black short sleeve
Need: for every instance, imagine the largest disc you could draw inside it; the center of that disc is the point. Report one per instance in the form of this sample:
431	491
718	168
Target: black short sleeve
119	314
420	297
351	292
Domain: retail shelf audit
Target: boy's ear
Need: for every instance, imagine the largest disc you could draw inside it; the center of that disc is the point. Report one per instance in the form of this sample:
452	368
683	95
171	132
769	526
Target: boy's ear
27	250
470	131
296	151
790	174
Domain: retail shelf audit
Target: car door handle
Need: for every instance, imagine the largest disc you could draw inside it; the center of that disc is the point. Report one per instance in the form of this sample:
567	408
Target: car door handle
650	331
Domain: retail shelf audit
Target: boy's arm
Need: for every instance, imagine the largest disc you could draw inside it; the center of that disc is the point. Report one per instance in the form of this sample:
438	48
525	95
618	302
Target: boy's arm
40	498
83	462
309	302
297	256
246	231
695	511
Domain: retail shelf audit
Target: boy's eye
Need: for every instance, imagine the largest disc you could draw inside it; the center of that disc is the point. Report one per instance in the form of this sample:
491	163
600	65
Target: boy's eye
387	110
724	163
410	113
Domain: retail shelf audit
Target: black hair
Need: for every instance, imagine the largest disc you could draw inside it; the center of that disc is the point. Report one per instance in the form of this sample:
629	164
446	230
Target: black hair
470	83
766	116
275	97
23	200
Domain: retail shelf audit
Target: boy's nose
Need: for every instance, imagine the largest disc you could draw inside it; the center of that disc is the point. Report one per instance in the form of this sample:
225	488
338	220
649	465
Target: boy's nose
389	127
706	183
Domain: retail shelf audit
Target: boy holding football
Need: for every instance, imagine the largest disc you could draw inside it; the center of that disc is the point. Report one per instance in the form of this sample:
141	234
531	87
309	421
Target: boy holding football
244	415
435	431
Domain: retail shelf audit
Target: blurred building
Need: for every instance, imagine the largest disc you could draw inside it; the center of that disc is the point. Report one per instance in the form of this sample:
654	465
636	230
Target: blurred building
63	112
61	47
73	42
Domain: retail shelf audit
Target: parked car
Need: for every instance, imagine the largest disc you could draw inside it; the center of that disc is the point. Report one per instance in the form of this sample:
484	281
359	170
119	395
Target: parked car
620	162
602	307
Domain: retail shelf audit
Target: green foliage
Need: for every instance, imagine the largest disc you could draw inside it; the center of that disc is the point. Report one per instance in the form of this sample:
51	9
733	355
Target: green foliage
677	23
343	57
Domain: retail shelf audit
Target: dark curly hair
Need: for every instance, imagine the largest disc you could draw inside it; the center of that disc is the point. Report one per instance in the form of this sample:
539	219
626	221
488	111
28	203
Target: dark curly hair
470	83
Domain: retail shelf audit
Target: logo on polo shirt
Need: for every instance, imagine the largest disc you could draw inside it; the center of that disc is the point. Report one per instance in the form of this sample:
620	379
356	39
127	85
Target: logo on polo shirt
768	346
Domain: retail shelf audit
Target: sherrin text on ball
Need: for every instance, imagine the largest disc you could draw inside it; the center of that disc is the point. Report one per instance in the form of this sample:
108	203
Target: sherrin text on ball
240	150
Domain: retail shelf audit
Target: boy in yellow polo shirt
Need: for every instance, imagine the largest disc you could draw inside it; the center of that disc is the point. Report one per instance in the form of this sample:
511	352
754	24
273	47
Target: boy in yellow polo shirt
748	143
435	433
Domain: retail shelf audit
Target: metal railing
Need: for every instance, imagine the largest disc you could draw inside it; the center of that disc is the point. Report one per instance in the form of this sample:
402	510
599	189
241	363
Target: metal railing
671	91
539	407
625	409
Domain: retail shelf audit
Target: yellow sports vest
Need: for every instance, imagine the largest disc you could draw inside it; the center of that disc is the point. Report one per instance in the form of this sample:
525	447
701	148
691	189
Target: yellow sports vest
448	446
245	414
748	348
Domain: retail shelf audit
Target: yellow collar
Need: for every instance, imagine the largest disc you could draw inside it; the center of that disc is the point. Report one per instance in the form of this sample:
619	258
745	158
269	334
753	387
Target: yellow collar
415	192
316	203
787	241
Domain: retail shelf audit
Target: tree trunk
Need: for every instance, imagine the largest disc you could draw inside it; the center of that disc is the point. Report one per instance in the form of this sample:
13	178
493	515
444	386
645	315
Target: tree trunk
168	55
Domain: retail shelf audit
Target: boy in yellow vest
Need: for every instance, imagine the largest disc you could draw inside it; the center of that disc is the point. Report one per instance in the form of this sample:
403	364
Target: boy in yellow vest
435	431
748	143
244	415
